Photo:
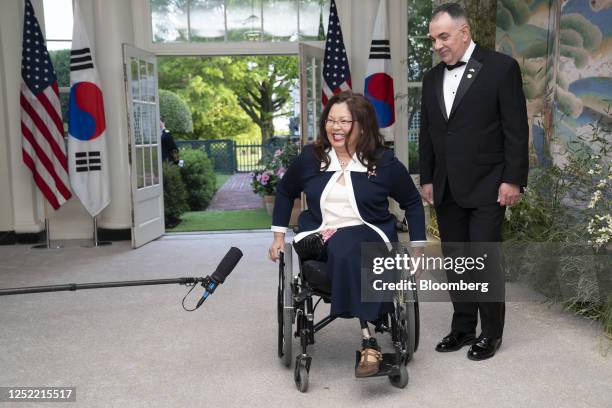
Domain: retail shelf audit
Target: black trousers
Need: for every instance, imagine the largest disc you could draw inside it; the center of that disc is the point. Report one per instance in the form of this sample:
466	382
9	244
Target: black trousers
480	229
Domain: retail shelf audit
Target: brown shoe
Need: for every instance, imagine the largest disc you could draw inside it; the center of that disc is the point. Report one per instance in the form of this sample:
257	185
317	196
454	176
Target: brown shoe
369	363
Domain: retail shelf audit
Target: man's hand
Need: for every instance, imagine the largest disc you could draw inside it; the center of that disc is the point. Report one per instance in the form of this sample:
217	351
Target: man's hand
427	193
508	194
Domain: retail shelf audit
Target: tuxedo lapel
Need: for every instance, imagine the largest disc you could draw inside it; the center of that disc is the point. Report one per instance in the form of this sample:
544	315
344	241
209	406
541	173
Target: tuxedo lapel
469	76
439	85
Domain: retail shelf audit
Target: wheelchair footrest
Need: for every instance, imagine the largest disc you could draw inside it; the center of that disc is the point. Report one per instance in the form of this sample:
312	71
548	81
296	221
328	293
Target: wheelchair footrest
388	366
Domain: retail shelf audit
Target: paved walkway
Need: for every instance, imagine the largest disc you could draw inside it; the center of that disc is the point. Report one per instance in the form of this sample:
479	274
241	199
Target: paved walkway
236	194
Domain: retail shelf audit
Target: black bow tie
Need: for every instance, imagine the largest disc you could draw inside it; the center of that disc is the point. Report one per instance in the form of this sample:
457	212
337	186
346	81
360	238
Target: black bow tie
457	65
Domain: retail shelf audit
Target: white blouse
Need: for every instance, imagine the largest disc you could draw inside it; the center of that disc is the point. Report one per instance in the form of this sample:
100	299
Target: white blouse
338	210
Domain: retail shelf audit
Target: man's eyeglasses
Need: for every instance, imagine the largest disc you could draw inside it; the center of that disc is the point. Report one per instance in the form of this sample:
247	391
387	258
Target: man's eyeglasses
342	122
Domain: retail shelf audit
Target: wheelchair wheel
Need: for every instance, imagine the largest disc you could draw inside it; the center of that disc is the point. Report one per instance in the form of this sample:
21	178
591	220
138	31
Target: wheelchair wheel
406	325
284	307
417	326
400	379
300	374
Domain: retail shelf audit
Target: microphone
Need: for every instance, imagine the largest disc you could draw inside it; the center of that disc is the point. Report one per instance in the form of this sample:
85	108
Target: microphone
225	267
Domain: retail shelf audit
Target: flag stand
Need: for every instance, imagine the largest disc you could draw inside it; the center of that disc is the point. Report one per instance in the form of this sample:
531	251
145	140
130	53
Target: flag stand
47	244
97	243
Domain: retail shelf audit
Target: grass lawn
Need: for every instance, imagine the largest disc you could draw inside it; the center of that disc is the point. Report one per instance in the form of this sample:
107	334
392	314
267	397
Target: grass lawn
223	220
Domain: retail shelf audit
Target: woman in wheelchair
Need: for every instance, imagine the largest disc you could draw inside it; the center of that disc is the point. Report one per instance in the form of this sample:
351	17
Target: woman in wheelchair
348	176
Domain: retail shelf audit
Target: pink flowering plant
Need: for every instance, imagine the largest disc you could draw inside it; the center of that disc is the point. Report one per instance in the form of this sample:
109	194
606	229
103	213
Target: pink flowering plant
264	181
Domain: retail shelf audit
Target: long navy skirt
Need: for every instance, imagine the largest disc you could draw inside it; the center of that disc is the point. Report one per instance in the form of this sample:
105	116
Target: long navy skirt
344	272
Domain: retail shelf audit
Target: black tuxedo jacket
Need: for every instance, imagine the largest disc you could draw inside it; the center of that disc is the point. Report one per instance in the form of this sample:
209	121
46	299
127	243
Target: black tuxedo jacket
484	141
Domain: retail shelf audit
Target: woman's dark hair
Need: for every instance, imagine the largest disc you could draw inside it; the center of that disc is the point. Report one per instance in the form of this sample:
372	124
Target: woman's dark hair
370	145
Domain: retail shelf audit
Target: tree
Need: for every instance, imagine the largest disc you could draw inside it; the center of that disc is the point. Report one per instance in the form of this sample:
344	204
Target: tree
263	87
61	63
481	14
201	83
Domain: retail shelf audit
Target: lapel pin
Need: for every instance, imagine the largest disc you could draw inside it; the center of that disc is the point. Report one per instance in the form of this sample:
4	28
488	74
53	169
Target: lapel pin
472	70
469	76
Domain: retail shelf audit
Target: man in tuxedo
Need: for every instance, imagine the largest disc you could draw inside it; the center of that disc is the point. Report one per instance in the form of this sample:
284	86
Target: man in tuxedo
473	161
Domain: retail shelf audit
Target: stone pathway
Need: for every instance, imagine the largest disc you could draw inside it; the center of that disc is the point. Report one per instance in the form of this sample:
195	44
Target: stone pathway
236	194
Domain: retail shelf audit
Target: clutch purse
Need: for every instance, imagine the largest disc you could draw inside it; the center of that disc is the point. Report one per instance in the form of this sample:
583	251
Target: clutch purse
310	248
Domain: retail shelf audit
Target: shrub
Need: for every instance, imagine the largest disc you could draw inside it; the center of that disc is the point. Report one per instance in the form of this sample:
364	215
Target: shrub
564	226
199	177
174	112
175	195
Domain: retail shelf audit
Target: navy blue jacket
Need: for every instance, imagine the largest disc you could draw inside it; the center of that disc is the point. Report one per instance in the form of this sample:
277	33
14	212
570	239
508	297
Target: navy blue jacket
371	192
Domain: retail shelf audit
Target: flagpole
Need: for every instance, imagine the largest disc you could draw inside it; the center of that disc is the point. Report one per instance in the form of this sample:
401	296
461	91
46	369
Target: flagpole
97	243
47	244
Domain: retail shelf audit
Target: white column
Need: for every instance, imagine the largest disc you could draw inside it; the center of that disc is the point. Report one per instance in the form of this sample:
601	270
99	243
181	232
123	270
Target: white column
6	203
398	24
113	27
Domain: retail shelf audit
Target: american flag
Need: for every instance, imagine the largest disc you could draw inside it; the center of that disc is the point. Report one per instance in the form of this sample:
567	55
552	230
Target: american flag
336	72
43	148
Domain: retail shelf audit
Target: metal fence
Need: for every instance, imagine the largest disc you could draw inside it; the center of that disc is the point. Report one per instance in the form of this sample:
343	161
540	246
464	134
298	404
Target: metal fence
249	157
229	157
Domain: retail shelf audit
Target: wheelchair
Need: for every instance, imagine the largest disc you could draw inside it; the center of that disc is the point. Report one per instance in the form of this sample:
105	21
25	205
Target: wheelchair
295	307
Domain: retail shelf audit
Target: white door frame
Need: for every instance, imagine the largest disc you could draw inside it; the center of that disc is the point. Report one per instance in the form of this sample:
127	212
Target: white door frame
311	64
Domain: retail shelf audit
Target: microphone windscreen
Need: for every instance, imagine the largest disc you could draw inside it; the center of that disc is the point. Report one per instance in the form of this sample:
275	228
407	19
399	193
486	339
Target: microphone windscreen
227	264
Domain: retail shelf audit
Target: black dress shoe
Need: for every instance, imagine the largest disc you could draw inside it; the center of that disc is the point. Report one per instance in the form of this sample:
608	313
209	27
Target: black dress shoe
454	341
485	347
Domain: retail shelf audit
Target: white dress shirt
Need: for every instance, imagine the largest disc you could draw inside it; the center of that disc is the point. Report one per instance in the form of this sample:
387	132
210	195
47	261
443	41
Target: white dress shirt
453	78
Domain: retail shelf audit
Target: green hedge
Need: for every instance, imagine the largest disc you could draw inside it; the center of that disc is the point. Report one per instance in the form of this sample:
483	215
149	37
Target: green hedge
199	177
174	112
175	195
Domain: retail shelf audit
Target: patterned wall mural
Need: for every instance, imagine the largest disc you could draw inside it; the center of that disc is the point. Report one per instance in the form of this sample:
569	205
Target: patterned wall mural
564	48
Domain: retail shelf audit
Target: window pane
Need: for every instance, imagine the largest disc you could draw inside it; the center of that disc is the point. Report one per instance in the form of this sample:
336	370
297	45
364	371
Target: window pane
145	122
61	63
54	45
151	82
139	167
280	20
313	99
244	20
64	97
143	81
169	20
153	127
419	58
58	19
154	158
207	19
135	74
414	122
148	178
137	122
314	17
419	13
